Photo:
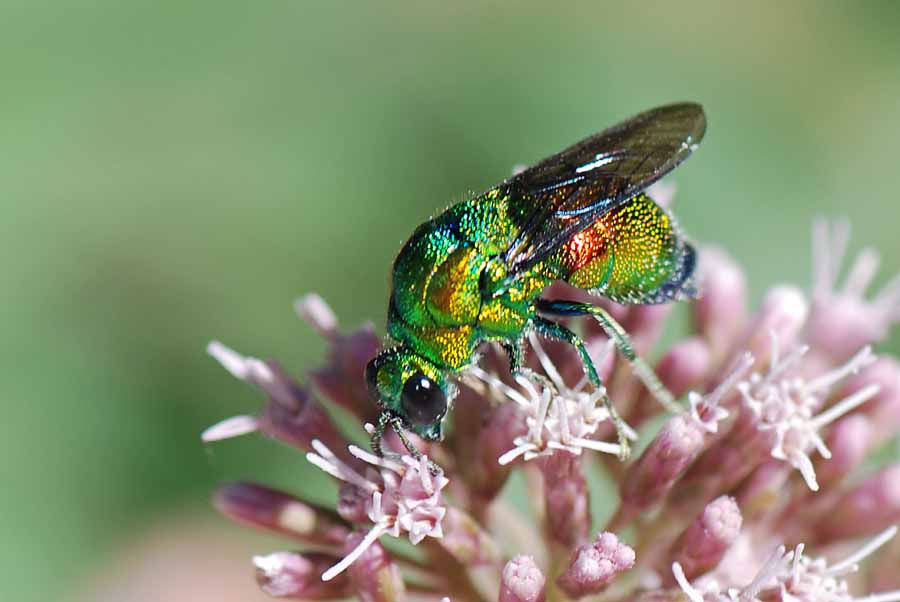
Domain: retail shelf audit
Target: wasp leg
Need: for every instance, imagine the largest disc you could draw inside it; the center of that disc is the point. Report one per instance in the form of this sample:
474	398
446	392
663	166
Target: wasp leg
387	419
384	420
560	332
400	429
518	368
513	351
615	332
397	423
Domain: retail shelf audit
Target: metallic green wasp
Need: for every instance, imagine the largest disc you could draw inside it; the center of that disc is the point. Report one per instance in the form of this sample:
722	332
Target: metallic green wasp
474	274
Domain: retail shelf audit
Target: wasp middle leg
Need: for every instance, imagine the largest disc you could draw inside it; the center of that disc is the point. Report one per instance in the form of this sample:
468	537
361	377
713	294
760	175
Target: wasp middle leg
618	335
518	368
557	331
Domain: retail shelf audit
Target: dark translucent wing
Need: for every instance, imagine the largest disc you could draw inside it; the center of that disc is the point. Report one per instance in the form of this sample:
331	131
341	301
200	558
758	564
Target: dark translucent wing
566	193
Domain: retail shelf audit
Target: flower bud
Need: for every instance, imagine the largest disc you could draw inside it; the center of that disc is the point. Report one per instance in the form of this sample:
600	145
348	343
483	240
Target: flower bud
566	498
299	576
466	541
684	365
669	454
867	508
884	407
594	565
291	415
782	316
702	546
842	319
849	442
261	506
341	378
720	313
724	464
301	422
522	581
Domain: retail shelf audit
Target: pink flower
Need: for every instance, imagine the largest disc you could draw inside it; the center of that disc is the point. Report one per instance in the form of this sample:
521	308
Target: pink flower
593	566
558	416
768	449
522	581
793	577
406	497
703	545
787	408
842	320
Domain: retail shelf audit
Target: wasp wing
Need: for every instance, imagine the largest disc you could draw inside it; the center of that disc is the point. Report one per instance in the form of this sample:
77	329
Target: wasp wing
564	194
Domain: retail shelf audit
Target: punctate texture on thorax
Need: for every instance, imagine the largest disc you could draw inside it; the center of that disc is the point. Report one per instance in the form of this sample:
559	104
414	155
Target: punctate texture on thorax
445	277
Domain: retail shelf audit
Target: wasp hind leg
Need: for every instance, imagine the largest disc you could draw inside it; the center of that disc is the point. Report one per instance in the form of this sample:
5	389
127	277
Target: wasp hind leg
618	335
558	331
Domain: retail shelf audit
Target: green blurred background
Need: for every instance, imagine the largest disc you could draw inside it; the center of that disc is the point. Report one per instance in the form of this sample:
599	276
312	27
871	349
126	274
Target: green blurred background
172	172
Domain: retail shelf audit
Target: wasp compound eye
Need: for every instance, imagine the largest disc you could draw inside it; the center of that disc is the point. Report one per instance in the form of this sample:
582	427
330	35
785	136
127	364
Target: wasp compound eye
423	400
372	378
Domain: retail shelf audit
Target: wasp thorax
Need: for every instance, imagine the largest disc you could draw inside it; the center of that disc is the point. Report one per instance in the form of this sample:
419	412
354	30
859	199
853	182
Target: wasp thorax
423	400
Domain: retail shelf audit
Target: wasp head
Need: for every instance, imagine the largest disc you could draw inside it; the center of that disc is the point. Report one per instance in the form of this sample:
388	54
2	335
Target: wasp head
412	388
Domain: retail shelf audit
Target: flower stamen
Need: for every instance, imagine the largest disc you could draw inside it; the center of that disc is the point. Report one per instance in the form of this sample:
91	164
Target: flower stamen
406	497
785	406
559	417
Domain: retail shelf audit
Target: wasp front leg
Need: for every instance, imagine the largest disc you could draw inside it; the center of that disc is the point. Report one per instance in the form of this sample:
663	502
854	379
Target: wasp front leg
387	419
384	421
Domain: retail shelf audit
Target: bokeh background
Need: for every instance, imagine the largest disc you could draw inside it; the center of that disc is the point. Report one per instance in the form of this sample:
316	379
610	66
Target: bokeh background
172	172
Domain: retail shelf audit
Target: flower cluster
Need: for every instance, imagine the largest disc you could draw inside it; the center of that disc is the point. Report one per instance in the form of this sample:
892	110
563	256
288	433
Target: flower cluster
558	417
761	489
405	497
